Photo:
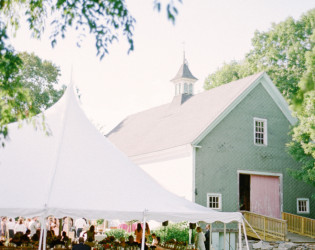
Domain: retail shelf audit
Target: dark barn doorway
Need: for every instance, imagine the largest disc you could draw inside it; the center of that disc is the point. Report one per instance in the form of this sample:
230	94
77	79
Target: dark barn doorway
244	190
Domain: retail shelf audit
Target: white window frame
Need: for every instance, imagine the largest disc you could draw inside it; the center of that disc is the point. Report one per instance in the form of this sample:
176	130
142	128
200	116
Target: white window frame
215	195
265	132
307	205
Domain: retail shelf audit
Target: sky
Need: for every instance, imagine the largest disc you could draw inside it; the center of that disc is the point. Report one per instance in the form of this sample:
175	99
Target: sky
211	32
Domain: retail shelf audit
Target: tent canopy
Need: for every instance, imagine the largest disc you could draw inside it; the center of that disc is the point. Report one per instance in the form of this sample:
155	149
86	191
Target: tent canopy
77	172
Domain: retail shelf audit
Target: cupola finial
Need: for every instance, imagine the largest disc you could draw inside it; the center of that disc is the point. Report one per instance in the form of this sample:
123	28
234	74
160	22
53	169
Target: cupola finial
184	59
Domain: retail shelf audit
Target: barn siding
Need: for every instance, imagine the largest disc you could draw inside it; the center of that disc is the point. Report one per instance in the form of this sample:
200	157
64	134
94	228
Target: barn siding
229	147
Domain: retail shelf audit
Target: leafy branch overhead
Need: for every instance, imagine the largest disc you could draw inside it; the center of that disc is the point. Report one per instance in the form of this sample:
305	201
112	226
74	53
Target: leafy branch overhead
104	19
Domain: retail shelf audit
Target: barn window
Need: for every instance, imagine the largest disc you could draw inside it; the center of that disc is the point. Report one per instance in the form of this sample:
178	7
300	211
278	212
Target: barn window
260	131
214	201
303	205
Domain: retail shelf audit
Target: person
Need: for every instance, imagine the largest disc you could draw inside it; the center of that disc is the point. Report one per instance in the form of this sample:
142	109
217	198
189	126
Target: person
33	226
36	236
79	225
131	241
90	234
67	224
155	241
147	230
10	228
207	235
199	239
122	242
20	227
81	246
55	226
138	233
25	237
3	227
64	238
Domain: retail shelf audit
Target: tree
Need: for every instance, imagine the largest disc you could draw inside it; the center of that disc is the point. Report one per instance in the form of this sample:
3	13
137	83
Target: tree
287	53
27	87
228	73
280	52
302	146
105	20
40	77
15	101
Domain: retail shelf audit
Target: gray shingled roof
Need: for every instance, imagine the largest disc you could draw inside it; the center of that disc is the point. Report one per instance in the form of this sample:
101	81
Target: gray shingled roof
184	72
166	126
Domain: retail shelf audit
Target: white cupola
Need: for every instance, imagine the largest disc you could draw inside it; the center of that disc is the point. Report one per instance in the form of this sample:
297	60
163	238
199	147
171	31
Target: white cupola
184	80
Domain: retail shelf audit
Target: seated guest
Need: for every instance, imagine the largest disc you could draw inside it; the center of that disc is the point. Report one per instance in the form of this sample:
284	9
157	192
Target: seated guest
122	243
81	246
64	238
25	238
17	239
131	241
36	236
155	241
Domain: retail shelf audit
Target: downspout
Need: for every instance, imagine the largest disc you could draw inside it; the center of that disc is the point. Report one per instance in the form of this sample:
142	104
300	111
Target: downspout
194	171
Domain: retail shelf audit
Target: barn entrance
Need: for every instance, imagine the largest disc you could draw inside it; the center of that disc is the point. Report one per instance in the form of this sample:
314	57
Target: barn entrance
260	194
244	190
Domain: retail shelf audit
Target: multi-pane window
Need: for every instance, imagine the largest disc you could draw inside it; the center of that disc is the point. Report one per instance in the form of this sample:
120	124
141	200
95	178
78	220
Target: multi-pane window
214	201
185	88
303	205
260	131
190	89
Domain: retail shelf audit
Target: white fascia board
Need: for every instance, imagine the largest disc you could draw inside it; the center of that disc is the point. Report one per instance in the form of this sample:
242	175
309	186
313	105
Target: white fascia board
226	111
163	155
272	90
278	98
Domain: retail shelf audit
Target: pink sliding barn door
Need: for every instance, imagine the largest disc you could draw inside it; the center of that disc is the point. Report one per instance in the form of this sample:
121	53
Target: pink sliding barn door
265	195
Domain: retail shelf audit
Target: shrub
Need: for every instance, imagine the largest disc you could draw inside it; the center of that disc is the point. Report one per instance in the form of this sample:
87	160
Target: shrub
178	231
117	233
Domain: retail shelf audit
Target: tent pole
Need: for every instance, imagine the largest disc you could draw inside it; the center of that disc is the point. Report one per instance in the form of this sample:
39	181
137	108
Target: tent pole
224	236
245	235
210	237
45	235
143	231
41	233
239	236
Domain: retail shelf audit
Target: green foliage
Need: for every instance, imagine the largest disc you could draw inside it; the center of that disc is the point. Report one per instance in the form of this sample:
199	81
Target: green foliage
178	231
287	53
280	51
117	233
227	73
15	100
40	77
100	221
104	20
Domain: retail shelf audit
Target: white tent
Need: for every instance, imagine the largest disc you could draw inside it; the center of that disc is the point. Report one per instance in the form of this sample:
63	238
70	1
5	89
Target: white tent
77	172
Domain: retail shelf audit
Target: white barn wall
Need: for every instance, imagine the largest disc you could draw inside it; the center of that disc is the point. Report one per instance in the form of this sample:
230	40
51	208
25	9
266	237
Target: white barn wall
175	175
